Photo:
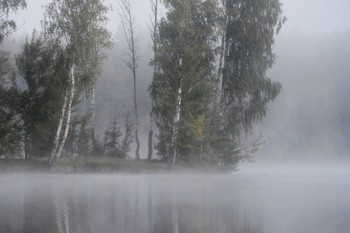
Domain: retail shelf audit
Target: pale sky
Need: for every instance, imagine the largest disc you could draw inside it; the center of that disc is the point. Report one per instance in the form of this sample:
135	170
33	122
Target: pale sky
316	16
304	16
31	17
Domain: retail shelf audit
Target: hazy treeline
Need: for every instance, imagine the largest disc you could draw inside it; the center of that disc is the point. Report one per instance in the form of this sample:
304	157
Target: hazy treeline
204	86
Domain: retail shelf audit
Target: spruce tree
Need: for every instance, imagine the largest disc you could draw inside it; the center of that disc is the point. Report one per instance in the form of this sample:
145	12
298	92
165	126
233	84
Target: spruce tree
41	65
111	140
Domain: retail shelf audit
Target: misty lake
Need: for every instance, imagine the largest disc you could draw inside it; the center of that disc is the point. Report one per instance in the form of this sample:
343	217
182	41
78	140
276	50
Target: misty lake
247	202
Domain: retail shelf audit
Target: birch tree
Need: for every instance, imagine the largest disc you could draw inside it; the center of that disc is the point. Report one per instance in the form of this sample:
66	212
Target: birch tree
154	32
74	24
183	87
100	39
249	38
246	53
220	89
128	22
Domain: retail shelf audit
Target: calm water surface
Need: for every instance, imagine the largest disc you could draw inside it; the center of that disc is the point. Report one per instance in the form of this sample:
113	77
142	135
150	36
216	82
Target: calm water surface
247	202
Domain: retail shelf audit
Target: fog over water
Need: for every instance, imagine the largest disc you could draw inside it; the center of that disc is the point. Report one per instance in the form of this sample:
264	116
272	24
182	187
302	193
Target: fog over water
250	202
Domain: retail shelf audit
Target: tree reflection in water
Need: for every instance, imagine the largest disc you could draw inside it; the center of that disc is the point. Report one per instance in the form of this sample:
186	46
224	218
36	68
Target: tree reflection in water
105	204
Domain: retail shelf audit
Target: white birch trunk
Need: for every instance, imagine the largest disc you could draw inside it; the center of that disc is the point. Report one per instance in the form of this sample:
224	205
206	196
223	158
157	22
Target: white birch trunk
69	113
137	152
155	40
59	129
92	112
221	58
175	129
222	65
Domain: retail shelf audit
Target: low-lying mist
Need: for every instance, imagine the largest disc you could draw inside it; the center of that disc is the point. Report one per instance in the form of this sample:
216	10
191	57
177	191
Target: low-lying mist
249	201
310	120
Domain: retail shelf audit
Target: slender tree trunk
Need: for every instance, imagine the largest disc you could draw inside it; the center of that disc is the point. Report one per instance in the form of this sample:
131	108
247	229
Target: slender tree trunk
66	110
137	153
69	113
128	27
26	150
175	129
92	113
150	138
59	129
222	53
154	36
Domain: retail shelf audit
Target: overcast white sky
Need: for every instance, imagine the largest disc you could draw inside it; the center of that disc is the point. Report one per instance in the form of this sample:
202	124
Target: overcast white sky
316	16
304	16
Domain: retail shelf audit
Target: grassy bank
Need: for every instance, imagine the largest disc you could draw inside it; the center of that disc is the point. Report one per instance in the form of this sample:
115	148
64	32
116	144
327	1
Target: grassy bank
98	165
18	165
107	164
79	165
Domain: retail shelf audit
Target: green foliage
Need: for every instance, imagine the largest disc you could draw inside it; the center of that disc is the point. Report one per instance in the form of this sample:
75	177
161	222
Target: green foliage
83	141
187	33
98	148
216	107
210	130
112	145
107	164
41	65
246	90
111	140
128	138
81	27
10	136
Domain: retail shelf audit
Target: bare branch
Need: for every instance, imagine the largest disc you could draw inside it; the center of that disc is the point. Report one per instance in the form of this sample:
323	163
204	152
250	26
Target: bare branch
128	22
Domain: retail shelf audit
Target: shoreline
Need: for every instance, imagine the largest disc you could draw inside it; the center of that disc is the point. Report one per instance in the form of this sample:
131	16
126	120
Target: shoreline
101	165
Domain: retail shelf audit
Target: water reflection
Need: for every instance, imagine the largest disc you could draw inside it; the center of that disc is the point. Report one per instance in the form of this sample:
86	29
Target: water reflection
105	204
